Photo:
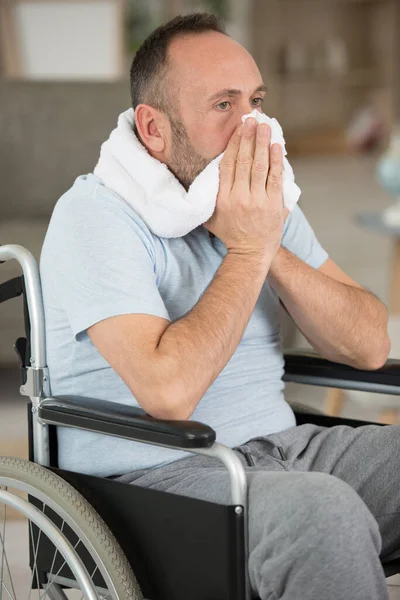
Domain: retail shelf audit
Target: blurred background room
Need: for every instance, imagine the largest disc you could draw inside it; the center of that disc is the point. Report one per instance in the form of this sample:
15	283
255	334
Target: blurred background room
332	69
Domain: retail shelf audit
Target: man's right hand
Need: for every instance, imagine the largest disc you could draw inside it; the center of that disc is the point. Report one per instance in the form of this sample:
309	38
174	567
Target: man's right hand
249	214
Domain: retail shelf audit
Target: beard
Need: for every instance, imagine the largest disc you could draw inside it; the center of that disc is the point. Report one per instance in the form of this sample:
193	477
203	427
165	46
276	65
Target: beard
185	162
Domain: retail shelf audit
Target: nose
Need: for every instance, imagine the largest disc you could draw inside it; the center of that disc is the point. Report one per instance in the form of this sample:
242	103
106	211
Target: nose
241	114
245	110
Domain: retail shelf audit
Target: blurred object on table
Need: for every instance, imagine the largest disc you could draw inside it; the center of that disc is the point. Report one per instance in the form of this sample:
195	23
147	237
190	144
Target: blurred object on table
323	63
388	172
365	130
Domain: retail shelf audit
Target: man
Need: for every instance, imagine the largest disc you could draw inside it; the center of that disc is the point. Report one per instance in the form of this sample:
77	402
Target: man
189	328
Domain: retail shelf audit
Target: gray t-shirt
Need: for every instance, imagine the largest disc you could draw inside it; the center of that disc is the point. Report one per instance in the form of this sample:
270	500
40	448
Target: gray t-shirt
100	260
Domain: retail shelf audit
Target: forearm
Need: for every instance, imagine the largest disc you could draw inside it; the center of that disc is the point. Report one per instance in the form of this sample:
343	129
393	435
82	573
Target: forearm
195	349
343	323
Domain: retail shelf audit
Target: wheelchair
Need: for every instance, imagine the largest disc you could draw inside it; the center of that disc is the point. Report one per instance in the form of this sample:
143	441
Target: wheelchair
98	538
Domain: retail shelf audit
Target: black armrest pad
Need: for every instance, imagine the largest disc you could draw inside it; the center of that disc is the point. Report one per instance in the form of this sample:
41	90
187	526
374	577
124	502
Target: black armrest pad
125	421
310	368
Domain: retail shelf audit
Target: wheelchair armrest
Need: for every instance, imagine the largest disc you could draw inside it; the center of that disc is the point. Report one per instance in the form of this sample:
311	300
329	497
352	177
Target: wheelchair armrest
310	368
124	421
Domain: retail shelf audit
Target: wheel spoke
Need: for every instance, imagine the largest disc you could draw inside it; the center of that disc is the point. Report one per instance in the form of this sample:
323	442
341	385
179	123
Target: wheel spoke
35	561
3	585
55	593
55	553
3	545
8	570
4	558
50	583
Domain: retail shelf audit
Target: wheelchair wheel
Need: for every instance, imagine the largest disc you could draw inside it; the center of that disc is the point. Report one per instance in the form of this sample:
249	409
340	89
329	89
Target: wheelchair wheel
53	544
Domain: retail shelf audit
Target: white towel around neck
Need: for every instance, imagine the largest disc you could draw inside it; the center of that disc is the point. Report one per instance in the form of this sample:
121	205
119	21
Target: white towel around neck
154	192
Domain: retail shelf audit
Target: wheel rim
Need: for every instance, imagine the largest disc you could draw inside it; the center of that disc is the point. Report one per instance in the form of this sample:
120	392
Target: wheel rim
55	536
54	590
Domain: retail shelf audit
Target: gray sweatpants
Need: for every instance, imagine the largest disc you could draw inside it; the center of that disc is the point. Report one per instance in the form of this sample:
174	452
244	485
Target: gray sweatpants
324	508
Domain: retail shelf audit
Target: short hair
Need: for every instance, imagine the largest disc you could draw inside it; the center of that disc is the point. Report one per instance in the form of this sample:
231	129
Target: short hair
148	74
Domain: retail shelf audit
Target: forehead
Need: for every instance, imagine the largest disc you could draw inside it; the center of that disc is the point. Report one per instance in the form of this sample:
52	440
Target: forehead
205	63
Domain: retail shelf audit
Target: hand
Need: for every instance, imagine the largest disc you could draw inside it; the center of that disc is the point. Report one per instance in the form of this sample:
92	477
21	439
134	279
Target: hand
249	213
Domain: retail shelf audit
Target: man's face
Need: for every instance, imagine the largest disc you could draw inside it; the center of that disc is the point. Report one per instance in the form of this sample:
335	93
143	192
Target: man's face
215	82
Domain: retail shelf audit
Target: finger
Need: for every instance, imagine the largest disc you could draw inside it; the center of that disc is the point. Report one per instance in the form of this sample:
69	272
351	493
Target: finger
274	180
227	166
259	172
244	160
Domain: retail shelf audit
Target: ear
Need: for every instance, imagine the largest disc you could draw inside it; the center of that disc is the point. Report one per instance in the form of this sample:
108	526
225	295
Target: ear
151	125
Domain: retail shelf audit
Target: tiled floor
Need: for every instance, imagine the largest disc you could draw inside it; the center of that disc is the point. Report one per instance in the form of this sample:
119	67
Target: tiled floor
334	189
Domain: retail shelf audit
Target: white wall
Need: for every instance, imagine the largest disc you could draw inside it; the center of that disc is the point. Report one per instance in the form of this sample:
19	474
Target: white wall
69	39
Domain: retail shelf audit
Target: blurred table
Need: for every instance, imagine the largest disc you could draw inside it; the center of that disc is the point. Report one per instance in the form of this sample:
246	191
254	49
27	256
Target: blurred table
373	221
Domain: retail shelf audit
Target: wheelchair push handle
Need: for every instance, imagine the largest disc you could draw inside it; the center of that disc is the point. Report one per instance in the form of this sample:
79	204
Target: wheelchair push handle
33	296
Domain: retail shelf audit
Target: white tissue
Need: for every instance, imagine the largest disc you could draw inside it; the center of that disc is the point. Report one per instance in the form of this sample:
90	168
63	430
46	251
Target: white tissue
291	191
276	129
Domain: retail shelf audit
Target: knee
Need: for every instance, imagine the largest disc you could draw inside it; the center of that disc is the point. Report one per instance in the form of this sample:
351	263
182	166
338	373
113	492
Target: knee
327	501
316	506
308	523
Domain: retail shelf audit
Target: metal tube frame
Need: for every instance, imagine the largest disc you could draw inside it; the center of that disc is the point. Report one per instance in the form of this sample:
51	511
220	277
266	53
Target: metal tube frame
38	380
344	384
56	592
34	299
38	369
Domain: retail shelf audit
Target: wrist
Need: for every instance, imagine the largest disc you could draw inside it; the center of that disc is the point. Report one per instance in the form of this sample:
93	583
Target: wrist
278	260
279	266
252	260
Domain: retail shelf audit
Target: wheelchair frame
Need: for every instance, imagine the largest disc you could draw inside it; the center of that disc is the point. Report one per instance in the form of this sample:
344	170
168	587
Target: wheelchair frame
188	566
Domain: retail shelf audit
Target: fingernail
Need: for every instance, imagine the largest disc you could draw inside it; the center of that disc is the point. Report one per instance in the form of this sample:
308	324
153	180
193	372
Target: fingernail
275	149
250	123
263	128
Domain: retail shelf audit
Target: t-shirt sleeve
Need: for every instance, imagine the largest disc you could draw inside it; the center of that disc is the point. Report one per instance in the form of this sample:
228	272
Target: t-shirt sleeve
300	239
102	263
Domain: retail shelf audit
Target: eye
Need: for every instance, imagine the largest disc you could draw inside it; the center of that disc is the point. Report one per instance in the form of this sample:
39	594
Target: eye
223	105
258	101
